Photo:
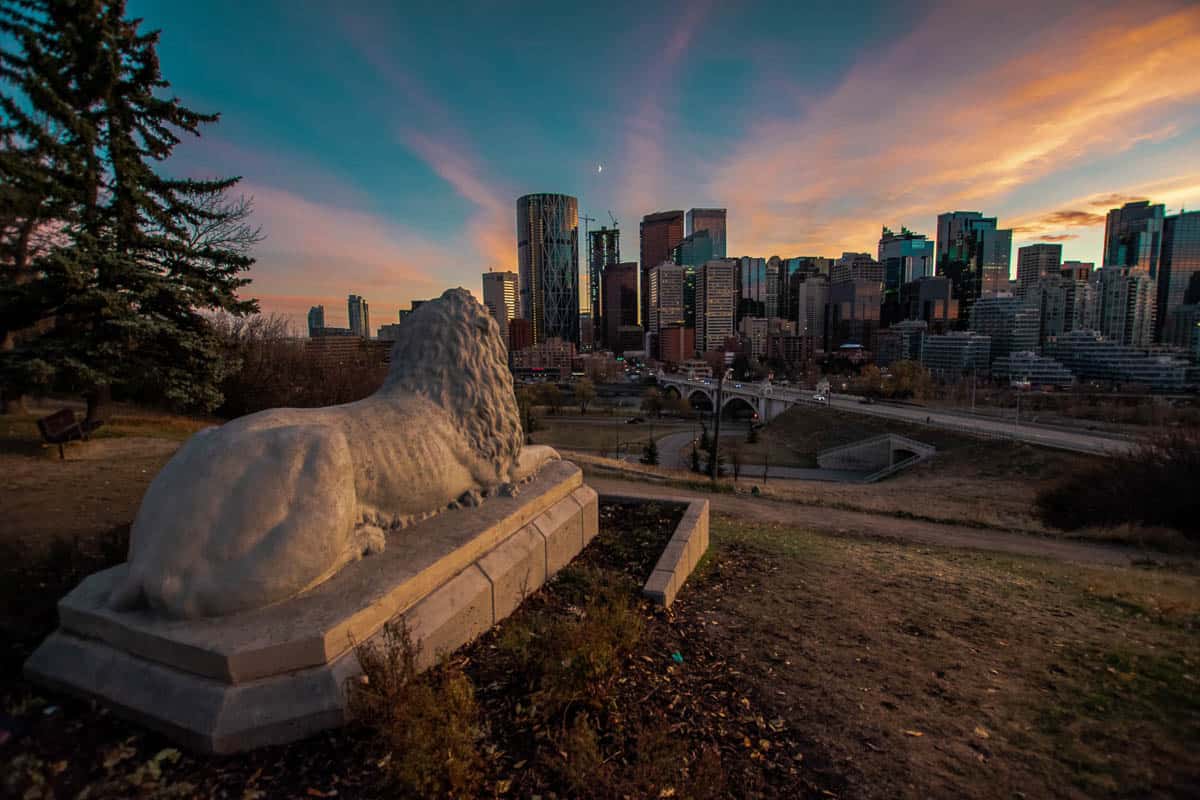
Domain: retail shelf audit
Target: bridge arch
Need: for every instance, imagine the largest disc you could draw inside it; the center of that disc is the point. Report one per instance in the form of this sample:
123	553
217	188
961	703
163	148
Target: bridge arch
738	408
700	400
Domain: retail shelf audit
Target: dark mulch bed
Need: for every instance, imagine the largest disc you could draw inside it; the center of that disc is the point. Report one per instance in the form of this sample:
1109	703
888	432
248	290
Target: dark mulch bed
678	715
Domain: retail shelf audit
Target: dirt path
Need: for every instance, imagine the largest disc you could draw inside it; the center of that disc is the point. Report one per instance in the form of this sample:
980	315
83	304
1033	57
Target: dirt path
857	523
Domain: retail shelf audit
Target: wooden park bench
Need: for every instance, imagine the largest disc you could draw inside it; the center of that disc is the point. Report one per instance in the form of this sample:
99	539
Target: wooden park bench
62	427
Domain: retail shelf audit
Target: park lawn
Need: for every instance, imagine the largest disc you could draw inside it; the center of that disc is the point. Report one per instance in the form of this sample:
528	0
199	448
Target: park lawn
929	672
810	664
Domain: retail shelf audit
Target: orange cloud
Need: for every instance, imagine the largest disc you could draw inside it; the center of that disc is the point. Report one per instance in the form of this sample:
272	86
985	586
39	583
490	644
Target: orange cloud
316	253
1049	225
909	133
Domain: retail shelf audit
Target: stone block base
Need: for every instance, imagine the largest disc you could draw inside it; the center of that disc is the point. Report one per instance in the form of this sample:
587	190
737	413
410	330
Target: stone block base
278	674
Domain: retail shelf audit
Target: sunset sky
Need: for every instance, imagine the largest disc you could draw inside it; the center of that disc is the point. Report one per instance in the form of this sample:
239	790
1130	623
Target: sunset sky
385	149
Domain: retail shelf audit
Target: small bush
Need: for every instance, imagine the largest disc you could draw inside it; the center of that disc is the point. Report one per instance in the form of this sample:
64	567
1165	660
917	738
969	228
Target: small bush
1154	485
428	723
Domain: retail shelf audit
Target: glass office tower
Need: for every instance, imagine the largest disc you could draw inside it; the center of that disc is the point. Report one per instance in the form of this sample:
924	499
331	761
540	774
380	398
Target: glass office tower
548	262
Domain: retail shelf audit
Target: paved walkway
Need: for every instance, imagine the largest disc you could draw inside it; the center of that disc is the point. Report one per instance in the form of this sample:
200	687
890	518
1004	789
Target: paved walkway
882	526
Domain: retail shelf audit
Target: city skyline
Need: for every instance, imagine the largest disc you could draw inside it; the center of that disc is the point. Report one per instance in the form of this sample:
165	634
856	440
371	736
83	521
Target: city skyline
376	165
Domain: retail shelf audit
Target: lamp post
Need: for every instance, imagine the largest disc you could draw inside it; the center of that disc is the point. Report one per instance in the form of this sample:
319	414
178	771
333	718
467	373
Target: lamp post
713	463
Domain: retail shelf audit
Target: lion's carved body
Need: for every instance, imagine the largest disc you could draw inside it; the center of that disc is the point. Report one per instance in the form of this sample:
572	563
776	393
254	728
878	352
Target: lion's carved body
268	505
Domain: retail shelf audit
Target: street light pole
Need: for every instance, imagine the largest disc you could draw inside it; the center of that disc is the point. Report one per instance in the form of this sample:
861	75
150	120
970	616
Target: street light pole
713	463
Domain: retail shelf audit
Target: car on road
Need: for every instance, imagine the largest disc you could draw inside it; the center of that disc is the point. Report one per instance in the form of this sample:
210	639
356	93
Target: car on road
635	420
820	398
866	401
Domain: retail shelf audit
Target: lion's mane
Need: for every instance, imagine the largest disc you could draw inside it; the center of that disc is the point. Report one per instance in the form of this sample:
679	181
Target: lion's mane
451	353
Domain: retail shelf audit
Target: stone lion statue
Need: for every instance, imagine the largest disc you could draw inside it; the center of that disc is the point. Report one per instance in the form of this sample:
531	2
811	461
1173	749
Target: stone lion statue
269	505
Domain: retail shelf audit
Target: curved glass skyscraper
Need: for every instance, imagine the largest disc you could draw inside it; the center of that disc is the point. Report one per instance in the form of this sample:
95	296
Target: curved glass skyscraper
548	259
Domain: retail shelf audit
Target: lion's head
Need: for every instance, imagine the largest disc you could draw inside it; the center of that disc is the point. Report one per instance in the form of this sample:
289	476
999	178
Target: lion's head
451	352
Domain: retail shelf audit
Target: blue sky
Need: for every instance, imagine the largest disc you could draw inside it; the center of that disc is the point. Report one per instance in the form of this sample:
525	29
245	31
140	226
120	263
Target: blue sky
385	146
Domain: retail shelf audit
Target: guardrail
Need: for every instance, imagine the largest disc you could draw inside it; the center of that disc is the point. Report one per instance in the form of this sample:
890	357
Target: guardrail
891	468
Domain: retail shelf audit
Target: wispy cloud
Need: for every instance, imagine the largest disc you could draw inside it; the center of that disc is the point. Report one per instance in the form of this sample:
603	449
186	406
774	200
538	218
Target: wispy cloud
1090	211
906	134
648	128
440	142
317	253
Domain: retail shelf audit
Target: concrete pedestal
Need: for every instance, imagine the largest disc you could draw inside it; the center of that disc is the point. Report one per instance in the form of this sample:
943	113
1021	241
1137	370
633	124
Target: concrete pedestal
277	674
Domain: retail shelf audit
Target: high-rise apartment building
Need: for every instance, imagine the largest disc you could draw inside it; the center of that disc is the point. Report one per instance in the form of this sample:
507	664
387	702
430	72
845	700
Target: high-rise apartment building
1126	298
1133	237
316	319
905	257
1062	303
604	248
711	220
618	304
666	288
812	301
658	234
974	254
1077	270
1012	325
716	301
360	316
548	261
1179	277
502	297
1034	262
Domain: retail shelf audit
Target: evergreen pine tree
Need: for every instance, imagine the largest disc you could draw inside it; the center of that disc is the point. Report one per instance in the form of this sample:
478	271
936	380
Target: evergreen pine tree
650	453
695	458
117	298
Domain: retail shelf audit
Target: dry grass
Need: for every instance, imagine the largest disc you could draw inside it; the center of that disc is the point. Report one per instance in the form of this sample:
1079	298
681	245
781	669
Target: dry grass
428	723
936	672
573	660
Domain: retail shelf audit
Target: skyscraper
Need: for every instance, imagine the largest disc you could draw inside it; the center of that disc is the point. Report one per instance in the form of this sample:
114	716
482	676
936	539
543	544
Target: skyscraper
974	254
666	297
316	319
1127	297
1133	237
619	285
502	298
604	248
906	257
711	220
694	250
1077	270
1179	278
716	298
1034	262
659	233
360	316
548	261
1012	325
855	298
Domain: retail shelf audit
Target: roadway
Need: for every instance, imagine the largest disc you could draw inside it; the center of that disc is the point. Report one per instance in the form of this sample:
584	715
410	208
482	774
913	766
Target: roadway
1044	435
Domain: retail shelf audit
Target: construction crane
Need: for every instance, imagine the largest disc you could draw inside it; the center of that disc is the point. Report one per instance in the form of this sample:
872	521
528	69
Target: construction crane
614	220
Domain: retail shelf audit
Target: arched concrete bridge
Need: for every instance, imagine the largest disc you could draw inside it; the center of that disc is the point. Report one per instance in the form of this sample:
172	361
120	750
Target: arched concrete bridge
763	399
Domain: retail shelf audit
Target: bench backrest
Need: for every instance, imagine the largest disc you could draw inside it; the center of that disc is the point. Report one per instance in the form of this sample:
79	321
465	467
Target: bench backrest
57	423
